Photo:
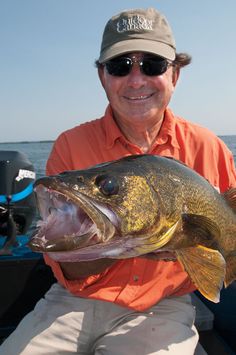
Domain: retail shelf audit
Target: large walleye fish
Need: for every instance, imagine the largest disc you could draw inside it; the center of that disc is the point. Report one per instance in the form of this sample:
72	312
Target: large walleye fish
137	205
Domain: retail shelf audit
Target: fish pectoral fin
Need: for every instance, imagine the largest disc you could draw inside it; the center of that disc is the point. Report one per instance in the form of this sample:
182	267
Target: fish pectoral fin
230	197
230	269
203	226
206	268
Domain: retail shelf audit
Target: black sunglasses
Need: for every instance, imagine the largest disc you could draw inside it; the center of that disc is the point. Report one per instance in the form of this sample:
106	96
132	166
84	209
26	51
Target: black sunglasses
149	65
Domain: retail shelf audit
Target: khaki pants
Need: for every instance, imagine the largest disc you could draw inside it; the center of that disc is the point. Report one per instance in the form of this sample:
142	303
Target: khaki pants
64	324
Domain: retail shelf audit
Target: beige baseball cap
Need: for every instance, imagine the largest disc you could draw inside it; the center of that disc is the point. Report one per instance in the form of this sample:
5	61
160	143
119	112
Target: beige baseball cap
144	30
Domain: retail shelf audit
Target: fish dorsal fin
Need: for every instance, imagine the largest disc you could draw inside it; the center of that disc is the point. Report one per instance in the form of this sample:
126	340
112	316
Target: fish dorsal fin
206	268
230	268
230	198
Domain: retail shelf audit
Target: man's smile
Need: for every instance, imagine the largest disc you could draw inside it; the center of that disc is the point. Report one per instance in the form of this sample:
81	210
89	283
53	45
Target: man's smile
138	97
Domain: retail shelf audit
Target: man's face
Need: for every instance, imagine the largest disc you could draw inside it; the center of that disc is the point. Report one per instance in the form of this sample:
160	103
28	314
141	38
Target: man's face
138	98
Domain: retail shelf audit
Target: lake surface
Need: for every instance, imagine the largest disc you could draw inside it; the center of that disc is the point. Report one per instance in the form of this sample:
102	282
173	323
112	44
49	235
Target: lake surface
38	152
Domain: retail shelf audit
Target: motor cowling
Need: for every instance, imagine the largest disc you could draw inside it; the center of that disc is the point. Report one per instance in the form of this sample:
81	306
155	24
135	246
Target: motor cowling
17	200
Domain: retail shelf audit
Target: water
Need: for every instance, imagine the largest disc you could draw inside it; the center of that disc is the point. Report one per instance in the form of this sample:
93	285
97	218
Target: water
38	152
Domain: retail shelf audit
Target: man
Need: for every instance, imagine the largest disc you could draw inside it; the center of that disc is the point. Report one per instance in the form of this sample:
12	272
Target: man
134	306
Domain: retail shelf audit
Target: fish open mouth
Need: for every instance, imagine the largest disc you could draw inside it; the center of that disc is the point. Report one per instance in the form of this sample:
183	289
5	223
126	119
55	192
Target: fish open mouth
70	221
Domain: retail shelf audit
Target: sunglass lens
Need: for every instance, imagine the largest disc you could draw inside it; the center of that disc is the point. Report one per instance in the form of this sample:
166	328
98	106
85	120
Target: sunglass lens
120	66
150	65
154	66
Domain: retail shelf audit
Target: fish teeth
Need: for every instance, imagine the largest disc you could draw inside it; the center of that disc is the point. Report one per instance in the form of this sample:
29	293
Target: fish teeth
52	209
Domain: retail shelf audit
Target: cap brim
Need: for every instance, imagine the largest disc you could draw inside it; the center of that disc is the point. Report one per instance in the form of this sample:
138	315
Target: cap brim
139	45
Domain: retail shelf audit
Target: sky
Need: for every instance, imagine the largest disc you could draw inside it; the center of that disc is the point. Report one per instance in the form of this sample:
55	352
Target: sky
48	81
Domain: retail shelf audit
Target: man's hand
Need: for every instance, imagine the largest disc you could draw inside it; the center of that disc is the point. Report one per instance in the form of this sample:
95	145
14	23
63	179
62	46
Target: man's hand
78	270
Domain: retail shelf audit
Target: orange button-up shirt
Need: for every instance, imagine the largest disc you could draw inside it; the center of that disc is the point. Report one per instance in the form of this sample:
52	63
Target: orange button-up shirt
139	283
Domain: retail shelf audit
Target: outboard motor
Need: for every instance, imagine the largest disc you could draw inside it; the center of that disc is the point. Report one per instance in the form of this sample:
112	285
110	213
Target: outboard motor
17	200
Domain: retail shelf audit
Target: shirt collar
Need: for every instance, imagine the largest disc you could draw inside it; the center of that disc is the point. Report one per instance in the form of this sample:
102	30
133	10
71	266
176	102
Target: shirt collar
167	131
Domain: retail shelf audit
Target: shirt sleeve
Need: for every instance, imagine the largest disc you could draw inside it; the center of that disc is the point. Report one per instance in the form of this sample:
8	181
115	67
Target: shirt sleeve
215	162
226	167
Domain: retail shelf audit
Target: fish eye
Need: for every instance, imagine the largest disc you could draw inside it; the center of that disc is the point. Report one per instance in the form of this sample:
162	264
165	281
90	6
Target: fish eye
107	185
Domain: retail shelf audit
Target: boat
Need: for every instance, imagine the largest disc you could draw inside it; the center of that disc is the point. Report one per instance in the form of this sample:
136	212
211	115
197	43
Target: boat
25	278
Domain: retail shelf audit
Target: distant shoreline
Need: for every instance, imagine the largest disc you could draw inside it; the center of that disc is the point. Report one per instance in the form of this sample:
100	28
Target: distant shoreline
28	142
51	141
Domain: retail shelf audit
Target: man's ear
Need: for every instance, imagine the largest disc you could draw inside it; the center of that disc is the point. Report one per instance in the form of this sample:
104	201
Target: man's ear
175	75
101	74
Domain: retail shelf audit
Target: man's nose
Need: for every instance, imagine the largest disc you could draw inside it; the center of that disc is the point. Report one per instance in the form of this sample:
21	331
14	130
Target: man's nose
136	78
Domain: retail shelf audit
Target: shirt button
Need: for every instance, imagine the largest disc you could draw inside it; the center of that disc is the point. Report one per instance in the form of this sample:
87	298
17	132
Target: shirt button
135	278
